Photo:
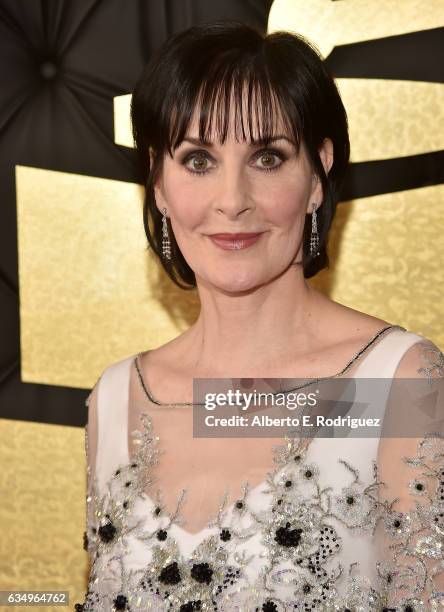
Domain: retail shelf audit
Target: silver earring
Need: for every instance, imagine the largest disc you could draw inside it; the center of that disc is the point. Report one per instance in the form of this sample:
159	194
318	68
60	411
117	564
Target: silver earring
314	238
166	248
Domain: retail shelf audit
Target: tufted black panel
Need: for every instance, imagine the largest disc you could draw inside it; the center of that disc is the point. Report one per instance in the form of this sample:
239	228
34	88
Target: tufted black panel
61	64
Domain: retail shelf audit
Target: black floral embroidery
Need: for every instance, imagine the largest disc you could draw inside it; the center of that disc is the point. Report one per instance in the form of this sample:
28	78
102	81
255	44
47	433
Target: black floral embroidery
107	532
288	537
298	532
162	534
120	602
170	574
190	606
201	572
225	535
269	606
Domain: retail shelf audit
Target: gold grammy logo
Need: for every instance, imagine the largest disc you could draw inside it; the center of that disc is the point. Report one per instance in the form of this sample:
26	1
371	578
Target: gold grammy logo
83	265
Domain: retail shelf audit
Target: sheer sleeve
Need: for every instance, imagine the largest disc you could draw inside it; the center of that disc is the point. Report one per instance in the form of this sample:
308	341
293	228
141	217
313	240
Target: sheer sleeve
91	436
410	536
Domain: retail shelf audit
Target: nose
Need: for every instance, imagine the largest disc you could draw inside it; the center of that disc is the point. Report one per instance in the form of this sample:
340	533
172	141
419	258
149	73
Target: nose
233	197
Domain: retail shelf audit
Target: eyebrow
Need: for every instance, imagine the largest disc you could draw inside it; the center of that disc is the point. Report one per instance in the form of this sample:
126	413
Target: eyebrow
260	141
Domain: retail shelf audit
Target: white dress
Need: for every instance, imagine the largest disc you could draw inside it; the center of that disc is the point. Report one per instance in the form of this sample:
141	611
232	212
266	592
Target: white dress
313	531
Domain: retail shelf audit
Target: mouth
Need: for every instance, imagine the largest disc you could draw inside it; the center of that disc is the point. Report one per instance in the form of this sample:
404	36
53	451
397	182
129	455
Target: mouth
234	242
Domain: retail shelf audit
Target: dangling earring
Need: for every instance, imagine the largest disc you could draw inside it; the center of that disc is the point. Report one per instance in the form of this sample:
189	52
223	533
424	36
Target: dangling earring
314	238
166	248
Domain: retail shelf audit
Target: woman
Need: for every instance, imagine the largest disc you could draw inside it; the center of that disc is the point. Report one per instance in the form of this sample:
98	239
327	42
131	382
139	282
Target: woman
243	146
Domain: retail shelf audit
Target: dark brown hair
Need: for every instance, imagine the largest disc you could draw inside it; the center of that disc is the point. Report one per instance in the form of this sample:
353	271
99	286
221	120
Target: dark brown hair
282	72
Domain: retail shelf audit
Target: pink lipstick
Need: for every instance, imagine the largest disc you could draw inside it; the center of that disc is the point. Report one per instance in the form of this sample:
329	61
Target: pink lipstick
232	242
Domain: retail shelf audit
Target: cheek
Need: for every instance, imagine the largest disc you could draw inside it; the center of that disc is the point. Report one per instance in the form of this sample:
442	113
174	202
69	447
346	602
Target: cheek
183	195
285	201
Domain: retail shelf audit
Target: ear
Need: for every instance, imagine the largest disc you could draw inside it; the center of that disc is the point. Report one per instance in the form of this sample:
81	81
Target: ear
326	156
160	200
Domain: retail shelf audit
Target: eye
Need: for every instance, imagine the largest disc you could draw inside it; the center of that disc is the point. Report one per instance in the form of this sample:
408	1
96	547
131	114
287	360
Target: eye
270	159
197	162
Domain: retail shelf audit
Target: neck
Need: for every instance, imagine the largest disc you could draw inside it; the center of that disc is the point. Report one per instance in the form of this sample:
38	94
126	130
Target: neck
256	330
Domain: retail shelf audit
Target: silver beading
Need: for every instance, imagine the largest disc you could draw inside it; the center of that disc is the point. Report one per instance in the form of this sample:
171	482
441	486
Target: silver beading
314	238
166	246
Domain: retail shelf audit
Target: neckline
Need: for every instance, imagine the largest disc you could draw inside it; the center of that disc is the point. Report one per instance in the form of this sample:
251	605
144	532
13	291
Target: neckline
356	356
194	538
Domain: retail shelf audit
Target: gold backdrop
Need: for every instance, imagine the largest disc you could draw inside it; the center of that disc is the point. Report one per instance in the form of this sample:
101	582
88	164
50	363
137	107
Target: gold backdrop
84	271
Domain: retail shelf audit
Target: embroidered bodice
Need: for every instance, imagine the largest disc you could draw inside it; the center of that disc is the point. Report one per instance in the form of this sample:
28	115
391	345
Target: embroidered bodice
335	523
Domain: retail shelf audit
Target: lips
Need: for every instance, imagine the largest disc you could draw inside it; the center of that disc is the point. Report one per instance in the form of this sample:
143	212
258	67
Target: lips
238	236
237	241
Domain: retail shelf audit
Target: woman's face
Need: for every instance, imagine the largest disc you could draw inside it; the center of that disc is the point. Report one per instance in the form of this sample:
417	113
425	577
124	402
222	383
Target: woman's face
237	187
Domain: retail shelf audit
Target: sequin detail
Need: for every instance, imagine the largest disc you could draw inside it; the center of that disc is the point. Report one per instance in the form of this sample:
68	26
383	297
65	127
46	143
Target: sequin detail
297	546
433	359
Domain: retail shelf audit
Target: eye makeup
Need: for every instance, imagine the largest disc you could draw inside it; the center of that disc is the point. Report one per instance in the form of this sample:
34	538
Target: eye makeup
203	154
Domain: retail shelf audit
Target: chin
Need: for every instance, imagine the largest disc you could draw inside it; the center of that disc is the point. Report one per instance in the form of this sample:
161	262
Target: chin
237	282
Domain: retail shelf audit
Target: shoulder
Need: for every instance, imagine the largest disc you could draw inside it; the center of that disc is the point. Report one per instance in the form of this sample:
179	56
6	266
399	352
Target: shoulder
116	375
414	417
114	369
116	365
424	359
417	391
415	408
339	324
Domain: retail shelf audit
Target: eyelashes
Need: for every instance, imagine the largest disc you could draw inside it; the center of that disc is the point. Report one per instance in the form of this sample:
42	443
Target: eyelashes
203	155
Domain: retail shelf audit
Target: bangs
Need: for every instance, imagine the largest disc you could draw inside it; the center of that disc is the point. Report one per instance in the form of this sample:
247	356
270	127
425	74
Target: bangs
258	110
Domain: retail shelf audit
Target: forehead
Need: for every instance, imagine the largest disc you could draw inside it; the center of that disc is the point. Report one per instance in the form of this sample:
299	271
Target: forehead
245	114
237	130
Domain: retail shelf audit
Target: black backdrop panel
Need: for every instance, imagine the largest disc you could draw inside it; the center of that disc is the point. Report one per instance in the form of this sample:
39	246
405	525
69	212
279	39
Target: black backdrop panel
63	61
61	64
